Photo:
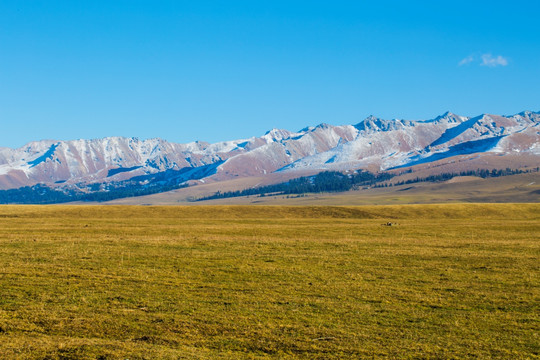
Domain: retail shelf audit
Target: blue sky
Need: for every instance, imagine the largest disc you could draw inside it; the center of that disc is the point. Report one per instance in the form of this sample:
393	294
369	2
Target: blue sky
220	70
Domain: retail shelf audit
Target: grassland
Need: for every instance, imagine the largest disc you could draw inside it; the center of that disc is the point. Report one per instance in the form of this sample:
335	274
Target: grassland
522	188
233	282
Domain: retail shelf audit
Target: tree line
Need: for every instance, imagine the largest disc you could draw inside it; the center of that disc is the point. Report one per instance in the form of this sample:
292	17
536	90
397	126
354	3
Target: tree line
483	173
43	194
326	181
333	181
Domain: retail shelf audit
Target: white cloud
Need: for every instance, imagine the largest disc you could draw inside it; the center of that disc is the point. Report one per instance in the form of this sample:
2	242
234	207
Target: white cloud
469	59
486	59
491	61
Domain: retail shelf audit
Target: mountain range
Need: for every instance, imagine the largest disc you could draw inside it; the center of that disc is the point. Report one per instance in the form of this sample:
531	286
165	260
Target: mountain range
375	144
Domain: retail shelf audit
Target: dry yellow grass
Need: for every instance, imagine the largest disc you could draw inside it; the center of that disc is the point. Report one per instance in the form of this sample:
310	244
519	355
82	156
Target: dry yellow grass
113	282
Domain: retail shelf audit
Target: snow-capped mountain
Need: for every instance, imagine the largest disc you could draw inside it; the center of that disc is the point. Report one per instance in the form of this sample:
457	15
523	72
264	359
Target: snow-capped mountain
396	143
374	143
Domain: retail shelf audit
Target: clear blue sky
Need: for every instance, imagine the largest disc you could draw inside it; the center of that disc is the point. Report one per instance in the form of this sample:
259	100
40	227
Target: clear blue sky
220	70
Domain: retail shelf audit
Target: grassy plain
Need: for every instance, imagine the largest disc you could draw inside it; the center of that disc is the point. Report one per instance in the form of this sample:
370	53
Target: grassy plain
232	282
516	188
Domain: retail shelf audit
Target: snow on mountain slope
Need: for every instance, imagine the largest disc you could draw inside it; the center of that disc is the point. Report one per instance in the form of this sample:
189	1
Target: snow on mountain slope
395	143
374	143
284	150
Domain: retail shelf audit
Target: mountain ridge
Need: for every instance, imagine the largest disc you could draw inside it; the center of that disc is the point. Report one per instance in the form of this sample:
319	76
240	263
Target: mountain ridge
372	143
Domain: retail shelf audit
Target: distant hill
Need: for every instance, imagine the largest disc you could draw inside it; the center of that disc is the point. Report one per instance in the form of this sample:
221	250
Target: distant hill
129	166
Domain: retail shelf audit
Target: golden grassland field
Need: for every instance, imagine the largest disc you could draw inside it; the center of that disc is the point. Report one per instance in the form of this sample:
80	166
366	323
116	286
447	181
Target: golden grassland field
240	282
